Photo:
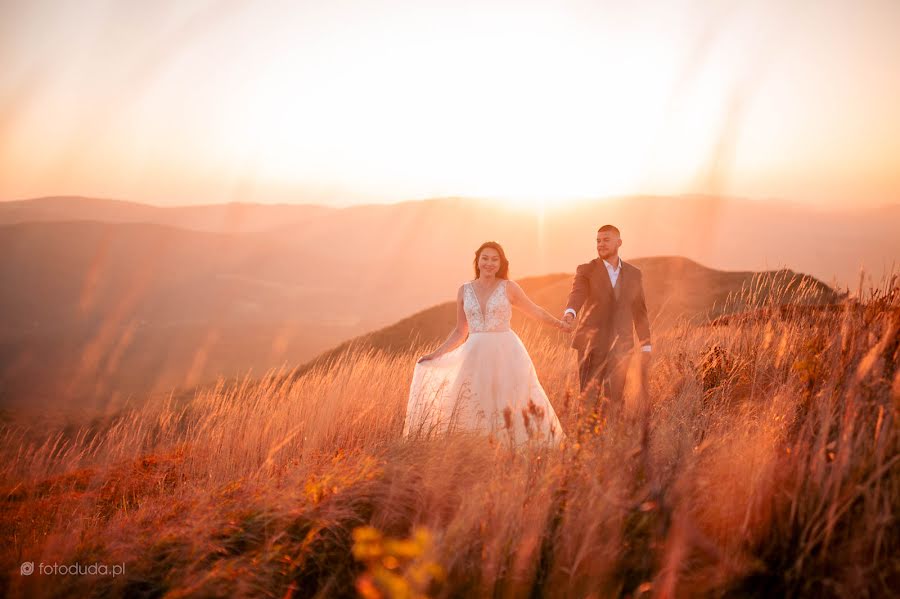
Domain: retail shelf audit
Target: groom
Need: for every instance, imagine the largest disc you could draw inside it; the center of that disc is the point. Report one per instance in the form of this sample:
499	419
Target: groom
608	293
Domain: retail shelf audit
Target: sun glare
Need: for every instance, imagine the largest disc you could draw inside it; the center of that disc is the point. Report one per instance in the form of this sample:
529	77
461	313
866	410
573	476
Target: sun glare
541	104
498	116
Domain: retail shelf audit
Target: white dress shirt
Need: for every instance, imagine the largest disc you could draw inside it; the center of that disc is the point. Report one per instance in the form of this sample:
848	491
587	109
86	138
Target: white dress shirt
613	272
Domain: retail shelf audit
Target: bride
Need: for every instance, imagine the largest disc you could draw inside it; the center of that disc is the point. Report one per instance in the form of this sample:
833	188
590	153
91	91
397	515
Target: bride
485	382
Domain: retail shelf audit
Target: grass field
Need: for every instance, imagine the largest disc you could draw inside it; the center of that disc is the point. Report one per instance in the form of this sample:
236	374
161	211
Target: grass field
762	459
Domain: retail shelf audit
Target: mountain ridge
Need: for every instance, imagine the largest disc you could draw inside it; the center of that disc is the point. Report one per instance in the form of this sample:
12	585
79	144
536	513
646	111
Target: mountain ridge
429	326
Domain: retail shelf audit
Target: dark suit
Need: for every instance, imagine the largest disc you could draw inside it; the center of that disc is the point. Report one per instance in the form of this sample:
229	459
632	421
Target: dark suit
607	320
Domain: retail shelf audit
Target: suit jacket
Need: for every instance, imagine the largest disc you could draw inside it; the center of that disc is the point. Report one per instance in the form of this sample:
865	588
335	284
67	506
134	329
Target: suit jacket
608	317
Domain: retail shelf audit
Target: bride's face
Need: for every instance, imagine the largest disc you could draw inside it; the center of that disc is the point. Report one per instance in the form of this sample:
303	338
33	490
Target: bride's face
489	262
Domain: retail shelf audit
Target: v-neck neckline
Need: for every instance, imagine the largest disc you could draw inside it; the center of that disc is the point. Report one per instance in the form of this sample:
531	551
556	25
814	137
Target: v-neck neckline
486	301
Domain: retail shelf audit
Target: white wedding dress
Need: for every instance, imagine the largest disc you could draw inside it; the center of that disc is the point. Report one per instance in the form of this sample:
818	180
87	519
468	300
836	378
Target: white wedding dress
487	384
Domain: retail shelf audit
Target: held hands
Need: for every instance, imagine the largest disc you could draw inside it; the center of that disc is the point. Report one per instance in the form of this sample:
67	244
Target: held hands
564	326
568	322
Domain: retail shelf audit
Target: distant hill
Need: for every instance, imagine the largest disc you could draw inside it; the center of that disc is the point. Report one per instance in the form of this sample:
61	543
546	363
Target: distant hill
725	233
94	312
676	289
103	299
233	217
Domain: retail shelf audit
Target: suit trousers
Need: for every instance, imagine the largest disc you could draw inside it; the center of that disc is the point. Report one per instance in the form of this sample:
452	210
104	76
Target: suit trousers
605	370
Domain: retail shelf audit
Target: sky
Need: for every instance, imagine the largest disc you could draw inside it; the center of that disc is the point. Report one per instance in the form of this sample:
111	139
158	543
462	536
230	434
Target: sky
340	102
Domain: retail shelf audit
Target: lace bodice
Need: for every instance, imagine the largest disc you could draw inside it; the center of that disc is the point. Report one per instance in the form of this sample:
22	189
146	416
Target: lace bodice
496	313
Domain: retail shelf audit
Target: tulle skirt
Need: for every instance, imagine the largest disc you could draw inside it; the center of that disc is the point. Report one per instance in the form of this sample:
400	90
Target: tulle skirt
487	384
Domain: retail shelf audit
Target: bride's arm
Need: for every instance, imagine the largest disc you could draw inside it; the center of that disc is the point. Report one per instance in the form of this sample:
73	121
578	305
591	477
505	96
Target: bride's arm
521	301
457	335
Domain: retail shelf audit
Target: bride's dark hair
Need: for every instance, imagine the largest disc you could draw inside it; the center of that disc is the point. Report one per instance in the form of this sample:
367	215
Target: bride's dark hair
503	272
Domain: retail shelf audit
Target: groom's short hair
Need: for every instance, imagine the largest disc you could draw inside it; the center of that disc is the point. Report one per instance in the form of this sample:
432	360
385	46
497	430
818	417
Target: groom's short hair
612	228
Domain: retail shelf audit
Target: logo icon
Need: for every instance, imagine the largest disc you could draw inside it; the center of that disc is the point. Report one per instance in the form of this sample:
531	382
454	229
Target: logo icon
27	568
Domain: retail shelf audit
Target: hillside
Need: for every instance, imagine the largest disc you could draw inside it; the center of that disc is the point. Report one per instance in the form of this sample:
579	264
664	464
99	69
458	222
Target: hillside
771	471
676	289
91	313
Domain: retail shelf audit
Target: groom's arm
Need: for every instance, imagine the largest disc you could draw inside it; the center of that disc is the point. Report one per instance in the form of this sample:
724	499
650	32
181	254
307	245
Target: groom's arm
639	314
581	289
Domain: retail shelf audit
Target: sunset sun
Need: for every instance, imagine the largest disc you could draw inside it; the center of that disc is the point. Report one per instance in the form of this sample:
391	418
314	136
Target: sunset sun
485	127
541	102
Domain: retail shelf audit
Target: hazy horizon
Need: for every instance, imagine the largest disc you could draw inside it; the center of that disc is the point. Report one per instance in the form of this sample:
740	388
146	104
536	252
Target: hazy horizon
378	102
547	205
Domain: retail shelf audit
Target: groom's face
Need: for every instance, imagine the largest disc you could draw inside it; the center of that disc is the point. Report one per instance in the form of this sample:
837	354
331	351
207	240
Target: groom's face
608	244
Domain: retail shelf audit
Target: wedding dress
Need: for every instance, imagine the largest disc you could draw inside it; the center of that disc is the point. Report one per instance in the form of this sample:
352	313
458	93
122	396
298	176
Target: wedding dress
486	384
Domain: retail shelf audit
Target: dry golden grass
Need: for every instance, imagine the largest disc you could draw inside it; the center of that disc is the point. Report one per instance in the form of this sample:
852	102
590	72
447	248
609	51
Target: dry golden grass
761	459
